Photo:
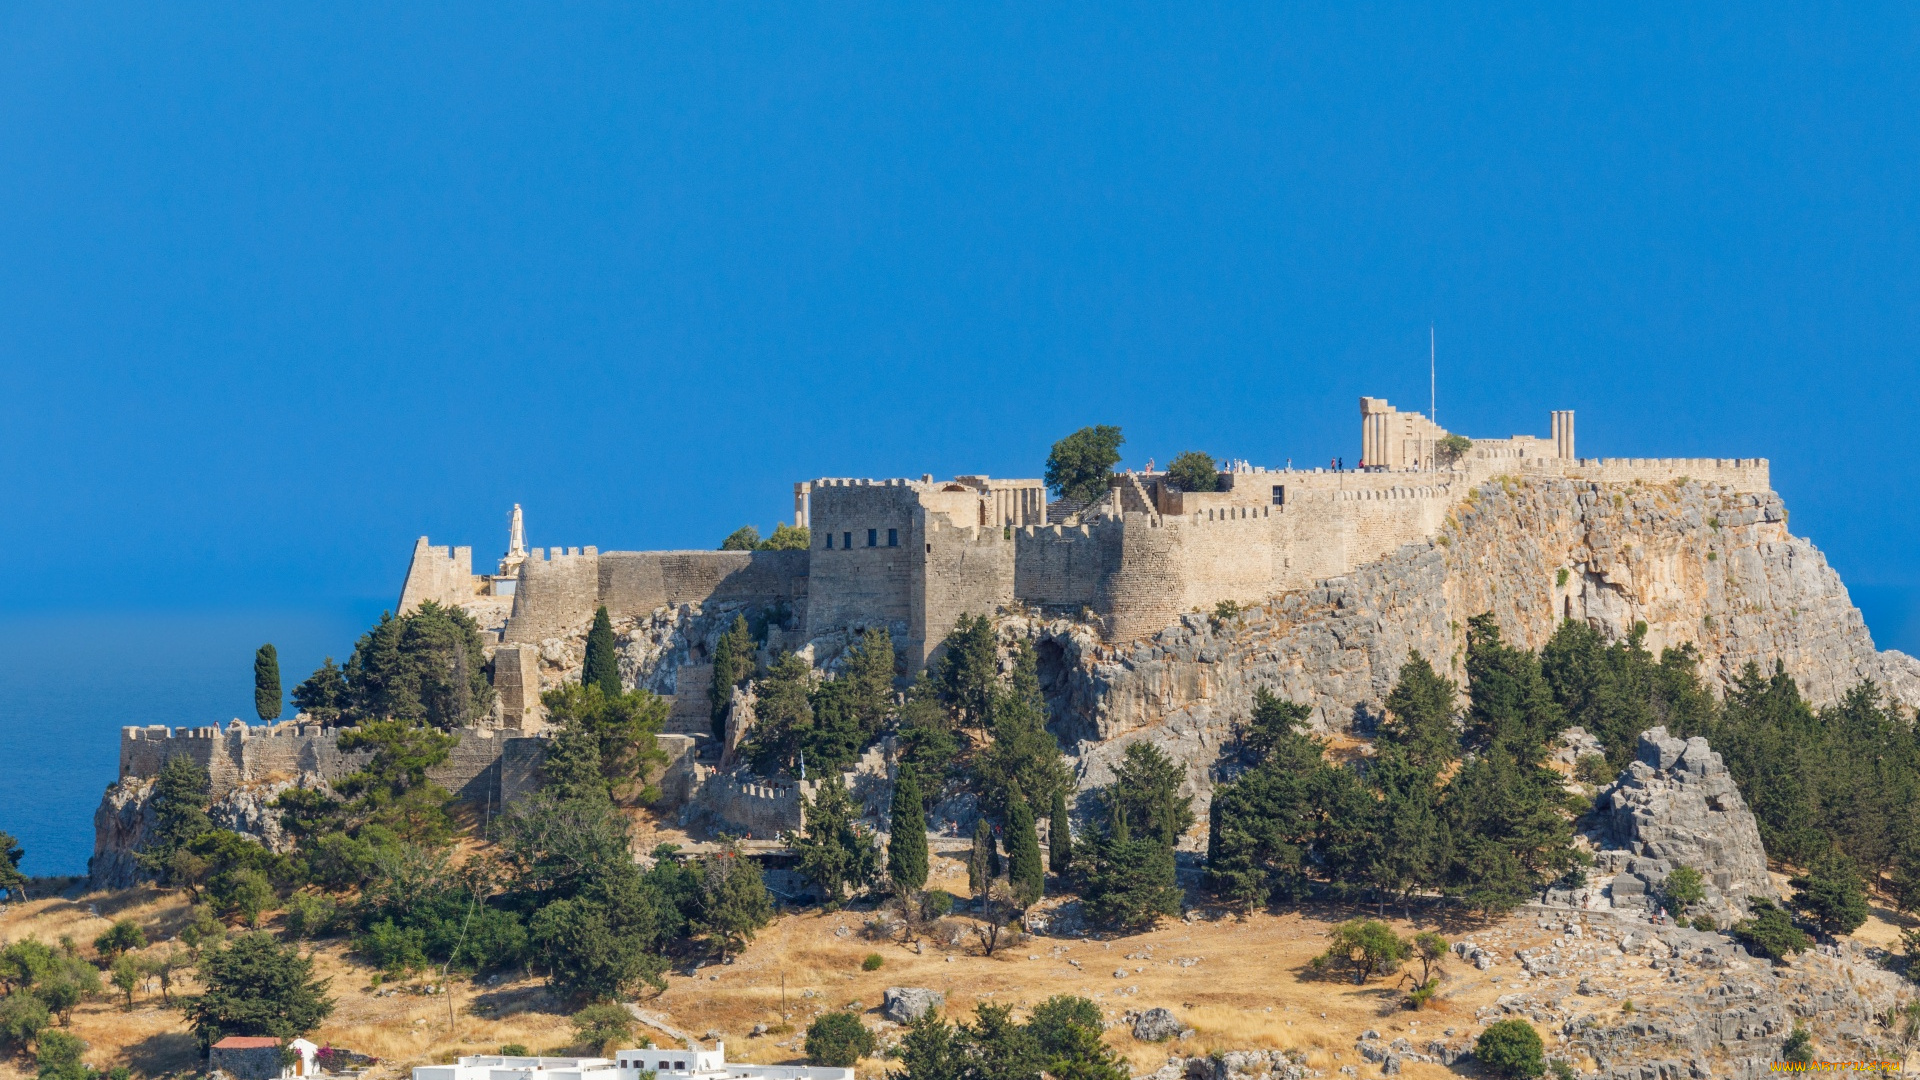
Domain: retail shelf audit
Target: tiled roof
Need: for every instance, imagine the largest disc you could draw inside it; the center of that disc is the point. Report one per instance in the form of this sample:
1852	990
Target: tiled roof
245	1042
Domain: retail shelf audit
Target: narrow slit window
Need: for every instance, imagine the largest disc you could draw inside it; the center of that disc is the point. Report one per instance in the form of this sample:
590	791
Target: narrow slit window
846	540
893	537
829	541
873	537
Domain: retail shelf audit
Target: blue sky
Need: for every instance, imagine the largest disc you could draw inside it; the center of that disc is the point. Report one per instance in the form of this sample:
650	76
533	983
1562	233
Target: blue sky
284	287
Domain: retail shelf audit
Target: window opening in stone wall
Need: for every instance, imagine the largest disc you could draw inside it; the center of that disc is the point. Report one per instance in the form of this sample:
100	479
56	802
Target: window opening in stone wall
829	541
846	540
873	537
1279	494
893	537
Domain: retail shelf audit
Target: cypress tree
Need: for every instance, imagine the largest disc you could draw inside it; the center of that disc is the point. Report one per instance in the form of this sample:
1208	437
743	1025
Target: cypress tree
980	859
602	668
732	663
266	683
907	849
1059	835
1025	872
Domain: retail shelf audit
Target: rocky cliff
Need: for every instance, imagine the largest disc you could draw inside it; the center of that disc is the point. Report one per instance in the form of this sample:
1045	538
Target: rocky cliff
1696	562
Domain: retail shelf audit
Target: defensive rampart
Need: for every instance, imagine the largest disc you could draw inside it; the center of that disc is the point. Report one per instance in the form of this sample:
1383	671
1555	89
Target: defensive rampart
557	592
485	765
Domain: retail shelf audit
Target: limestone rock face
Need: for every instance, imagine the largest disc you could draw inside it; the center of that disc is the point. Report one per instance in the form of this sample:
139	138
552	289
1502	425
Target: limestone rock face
904	1004
248	811
1676	805
121	825
1696	562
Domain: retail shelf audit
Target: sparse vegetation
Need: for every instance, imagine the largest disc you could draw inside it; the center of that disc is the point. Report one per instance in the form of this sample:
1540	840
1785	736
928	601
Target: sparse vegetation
1080	465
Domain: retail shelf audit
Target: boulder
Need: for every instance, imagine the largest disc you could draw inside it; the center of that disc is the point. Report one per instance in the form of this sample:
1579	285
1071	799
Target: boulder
1156	1025
904	1004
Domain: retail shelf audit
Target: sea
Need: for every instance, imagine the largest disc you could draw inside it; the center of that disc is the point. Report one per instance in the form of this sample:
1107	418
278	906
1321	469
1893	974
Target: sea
69	683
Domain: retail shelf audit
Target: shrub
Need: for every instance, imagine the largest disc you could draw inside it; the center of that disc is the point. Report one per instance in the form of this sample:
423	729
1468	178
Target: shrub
1592	769
838	1040
1511	1048
602	1024
1194	470
1798	1048
1831	895
124	935
872	962
393	949
58	1056
1683	888
1365	947
1704	922
22	1018
309	915
1769	931
514	1050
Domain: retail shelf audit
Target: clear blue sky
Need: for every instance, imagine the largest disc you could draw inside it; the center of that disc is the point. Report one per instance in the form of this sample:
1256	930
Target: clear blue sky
283	287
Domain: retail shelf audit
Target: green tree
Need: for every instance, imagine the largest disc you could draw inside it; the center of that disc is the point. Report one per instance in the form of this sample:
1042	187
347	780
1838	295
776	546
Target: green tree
980	858
967	675
1025	872
932	1050
1420	715
123	936
1831	895
592	950
57	1057
604	1026
1194	471
428	666
783	717
1512	1049
1080	465
181	794
1363	947
1511	704
1264	825
1126	883
1682	889
1768	930
734	902
12	881
834	853
602	665
622	727
256	986
1452	448
266	683
838	1040
126	973
907	842
1023	756
244	892
1147	786
22	1018
324	696
1059	835
787	537
732	666
1001	1049
744	538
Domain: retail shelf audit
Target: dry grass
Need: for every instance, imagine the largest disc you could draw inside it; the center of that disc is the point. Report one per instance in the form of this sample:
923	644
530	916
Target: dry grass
1238	983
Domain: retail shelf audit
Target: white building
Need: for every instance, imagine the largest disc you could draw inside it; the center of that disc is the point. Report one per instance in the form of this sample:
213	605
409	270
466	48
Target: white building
626	1065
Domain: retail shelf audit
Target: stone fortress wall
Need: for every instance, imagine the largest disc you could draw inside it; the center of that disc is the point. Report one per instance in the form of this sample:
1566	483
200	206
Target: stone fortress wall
486	766
913	555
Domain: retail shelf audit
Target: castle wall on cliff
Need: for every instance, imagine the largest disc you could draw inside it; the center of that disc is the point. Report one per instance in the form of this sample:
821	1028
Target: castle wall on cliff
486	766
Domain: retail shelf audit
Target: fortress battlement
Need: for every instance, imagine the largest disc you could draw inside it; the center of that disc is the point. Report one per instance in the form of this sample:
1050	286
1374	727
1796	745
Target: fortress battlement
914	555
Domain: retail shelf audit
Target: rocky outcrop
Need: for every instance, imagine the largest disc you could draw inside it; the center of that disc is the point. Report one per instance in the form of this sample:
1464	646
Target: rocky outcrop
124	824
1676	805
121	826
1697	563
904	1004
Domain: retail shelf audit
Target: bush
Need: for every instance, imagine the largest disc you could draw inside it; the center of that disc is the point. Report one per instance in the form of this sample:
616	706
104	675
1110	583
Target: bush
1704	922
1831	895
936	904
1366	947
872	962
599	1025
514	1050
310	915
58	1056
124	935
392	949
1511	1048
838	1040
1798	1049
1769	931
1682	889
22	1018
1592	769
